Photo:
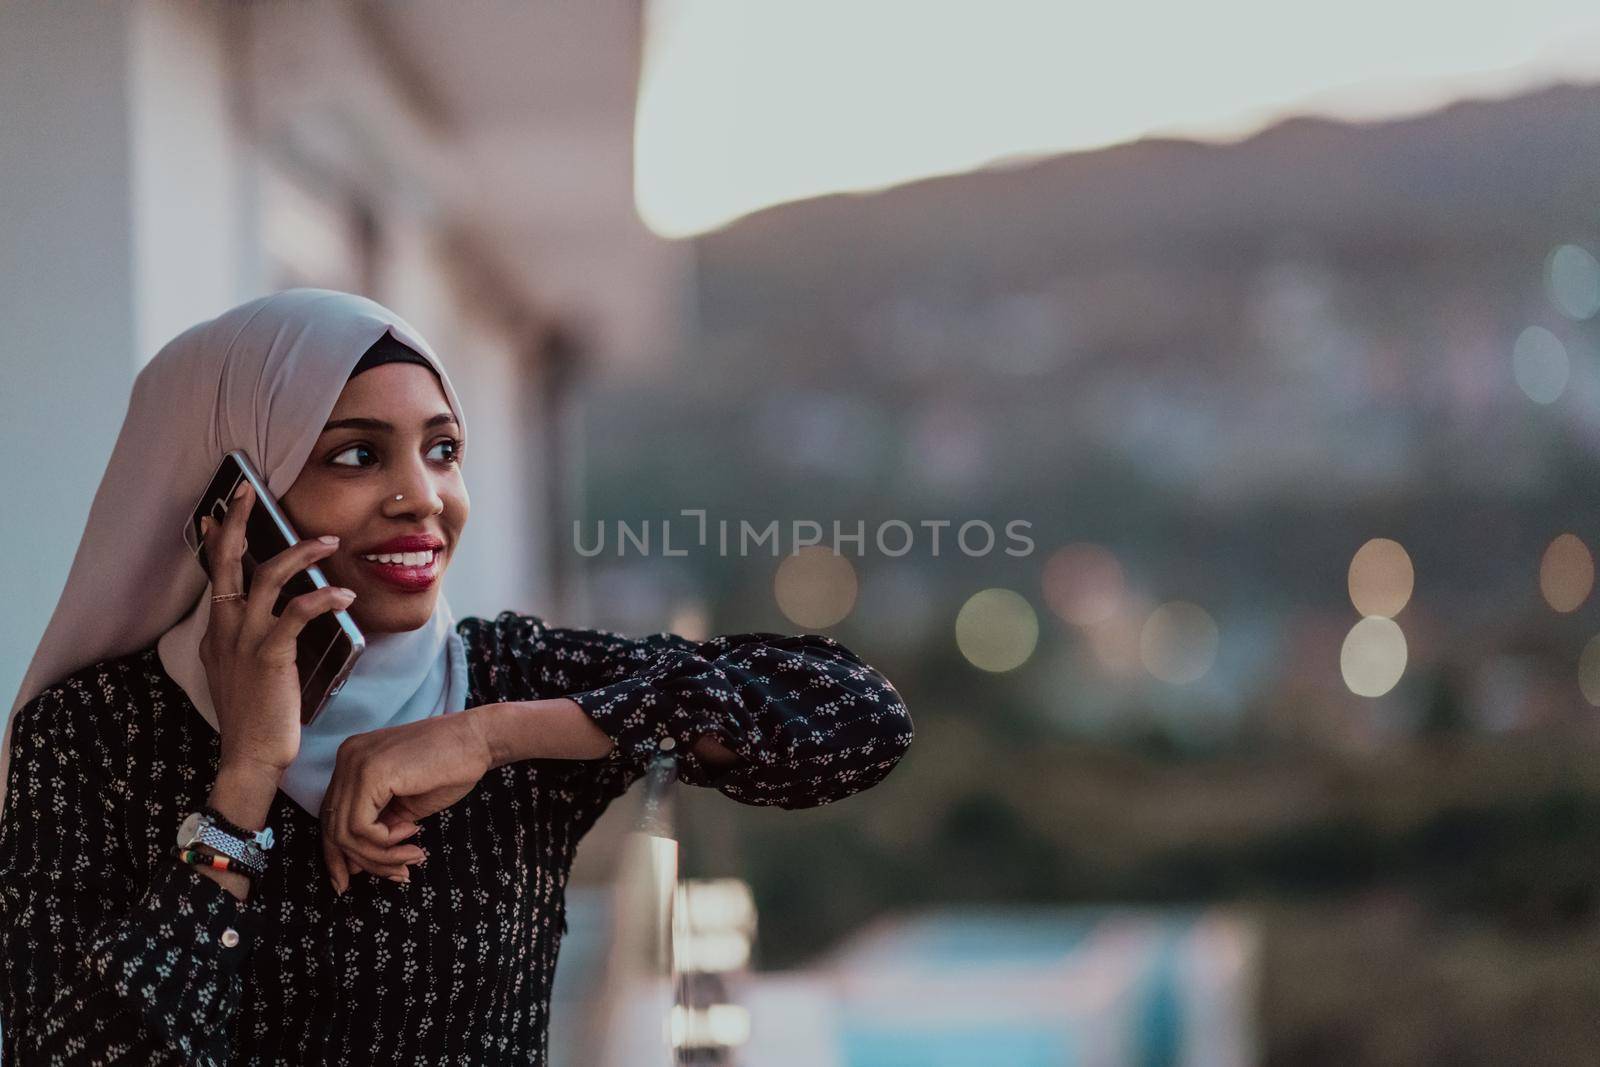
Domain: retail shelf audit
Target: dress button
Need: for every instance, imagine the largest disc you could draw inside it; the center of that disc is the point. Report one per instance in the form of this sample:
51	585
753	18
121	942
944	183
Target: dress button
668	744
230	937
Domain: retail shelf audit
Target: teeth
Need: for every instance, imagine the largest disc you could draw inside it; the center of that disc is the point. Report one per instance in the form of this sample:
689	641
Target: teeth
404	559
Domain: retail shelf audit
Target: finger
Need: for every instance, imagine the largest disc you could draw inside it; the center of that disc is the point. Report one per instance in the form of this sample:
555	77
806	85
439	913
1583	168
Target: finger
338	869
223	547
284	630
332	856
365	798
352	863
234	527
395	871
266	585
330	809
210	541
388	859
369	796
343	795
399	820
398	826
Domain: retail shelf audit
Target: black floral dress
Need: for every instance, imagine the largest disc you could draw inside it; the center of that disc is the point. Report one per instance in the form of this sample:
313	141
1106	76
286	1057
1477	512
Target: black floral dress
114	952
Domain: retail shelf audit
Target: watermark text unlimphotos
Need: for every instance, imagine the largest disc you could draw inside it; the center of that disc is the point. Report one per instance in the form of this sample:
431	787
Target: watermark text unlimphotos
891	537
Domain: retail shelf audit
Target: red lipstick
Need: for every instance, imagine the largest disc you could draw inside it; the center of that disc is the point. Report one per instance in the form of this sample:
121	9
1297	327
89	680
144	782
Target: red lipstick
407	577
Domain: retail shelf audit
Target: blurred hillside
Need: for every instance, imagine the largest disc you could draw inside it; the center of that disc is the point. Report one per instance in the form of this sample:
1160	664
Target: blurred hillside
1232	365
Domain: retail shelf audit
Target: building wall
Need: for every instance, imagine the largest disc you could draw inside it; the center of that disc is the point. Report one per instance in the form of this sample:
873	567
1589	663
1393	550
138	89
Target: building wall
185	175
69	304
147	182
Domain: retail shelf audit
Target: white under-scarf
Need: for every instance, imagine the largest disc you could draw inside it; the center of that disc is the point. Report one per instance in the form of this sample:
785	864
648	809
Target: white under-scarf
262	377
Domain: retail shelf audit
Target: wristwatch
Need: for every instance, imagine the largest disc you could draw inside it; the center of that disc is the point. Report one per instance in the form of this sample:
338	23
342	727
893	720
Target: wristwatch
207	827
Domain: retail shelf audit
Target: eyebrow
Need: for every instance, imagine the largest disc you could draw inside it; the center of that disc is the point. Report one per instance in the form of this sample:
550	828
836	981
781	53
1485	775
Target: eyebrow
385	427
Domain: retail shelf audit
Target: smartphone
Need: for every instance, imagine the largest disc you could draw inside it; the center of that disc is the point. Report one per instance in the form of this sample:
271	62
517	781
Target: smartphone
330	643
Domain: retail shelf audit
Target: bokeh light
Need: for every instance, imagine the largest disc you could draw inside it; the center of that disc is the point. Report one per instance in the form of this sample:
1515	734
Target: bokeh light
1573	277
1381	578
1083	584
1178	642
1115	641
1373	657
815	588
1539	363
690	618
1566	573
1589	671
997	630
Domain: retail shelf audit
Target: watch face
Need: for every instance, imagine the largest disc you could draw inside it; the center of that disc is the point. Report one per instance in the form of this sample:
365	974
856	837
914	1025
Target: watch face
189	830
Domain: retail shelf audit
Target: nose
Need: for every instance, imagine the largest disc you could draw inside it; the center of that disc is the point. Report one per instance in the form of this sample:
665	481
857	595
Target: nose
417	493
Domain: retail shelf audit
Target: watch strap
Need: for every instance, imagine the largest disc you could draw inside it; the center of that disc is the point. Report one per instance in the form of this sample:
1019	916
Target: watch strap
262	837
246	852
198	829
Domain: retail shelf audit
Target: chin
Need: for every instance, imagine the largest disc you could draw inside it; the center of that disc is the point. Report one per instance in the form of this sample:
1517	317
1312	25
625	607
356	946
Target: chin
412	616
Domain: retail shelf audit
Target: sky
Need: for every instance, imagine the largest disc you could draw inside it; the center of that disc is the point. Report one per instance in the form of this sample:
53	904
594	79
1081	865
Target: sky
748	103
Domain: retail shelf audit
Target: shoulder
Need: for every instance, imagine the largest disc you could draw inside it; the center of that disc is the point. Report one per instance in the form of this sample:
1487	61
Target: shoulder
489	639
475	629
513	633
502	653
518	656
90	700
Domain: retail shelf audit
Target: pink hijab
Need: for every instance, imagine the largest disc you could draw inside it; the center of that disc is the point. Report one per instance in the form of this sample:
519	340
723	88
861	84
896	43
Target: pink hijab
262	377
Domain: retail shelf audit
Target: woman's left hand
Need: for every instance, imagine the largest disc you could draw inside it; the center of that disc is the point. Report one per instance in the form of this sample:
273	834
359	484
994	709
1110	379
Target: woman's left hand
385	780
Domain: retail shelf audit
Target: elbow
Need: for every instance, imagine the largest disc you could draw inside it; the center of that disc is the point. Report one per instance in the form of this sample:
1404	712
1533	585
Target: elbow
870	760
888	735
896	729
891	727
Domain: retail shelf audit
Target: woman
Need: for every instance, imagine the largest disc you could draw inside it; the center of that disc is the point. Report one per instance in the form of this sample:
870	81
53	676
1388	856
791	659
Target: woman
409	904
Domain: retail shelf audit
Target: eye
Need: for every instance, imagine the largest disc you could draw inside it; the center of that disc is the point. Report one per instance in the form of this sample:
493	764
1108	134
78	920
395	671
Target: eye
353	448
456	448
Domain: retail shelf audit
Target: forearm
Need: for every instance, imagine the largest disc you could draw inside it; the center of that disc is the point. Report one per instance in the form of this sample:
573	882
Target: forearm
808	720
156	983
559	729
539	729
244	796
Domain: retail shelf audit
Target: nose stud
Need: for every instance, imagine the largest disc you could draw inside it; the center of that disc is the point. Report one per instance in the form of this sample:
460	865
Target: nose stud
398	496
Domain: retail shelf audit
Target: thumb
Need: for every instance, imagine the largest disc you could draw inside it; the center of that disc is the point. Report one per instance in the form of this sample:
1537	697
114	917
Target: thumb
399	820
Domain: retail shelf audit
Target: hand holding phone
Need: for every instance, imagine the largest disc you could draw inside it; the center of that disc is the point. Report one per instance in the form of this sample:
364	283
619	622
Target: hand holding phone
248	652
327	644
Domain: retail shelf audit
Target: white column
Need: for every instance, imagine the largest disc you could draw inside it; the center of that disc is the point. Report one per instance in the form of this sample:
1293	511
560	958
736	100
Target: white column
119	226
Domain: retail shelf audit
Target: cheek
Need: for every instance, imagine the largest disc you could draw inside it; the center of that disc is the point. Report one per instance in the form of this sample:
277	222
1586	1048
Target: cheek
457	507
312	509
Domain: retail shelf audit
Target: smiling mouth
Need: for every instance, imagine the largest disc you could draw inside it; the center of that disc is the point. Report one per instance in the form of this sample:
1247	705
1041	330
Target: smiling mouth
402	559
410	572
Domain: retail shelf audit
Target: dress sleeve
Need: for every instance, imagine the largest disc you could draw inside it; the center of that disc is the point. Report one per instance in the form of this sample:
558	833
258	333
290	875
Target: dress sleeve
810	720
103	962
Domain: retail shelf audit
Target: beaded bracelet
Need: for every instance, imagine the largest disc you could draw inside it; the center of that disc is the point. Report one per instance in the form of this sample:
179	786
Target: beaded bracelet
211	859
224	823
